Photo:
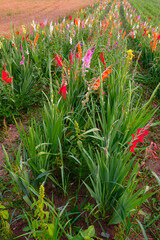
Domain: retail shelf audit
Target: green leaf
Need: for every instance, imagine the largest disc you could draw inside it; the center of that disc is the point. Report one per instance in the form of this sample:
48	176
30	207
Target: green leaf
78	237
51	229
26	229
88	233
1	206
157	178
27	200
80	145
142	228
5	214
6	158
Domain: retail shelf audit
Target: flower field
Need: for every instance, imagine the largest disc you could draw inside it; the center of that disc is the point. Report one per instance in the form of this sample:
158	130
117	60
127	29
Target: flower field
85	163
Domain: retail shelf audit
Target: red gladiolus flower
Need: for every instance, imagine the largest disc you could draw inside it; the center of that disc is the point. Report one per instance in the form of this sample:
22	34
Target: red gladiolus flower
141	132
63	91
42	25
58	60
158	37
145	30
70	18
71	57
149	18
5	77
102	59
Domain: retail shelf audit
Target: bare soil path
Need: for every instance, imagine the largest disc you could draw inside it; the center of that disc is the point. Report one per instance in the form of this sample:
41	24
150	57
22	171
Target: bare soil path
18	12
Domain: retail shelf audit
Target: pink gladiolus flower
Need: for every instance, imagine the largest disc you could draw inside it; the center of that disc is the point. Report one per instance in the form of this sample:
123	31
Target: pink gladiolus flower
21	63
87	59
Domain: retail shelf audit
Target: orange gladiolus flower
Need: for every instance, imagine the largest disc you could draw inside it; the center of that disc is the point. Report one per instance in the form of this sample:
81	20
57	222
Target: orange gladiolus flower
79	50
154	46
36	39
120	24
124	34
56	28
76	21
97	84
105	75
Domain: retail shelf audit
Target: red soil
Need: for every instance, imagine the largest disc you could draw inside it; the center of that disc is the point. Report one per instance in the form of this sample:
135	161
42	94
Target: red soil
18	12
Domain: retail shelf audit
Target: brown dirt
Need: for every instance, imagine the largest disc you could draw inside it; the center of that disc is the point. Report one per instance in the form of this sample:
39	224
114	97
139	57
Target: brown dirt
9	140
18	12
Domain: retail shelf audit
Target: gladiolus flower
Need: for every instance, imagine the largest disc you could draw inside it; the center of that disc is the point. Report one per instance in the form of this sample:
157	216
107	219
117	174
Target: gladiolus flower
24	29
79	50
58	60
42	25
70	17
21	63
145	30
105	75
63	91
130	55
36	39
141	132
5	77
71	57
102	59
87	59
124	34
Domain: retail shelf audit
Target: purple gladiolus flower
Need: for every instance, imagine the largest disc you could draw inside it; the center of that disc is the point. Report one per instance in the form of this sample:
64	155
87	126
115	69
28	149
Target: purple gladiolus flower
20	48
93	49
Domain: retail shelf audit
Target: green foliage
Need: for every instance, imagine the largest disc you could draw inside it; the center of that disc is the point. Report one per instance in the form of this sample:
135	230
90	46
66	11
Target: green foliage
43	141
87	234
5	231
45	224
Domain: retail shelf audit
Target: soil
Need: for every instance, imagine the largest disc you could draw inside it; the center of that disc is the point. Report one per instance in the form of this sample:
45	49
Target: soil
18	12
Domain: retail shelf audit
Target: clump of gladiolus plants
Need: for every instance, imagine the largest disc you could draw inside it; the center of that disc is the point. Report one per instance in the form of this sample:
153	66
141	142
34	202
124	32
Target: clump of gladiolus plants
81	72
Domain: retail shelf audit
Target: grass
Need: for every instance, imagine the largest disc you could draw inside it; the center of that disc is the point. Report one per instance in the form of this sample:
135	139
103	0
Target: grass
148	9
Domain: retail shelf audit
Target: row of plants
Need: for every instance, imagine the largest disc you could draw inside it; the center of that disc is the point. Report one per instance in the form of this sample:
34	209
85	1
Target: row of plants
147	37
26	57
92	123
